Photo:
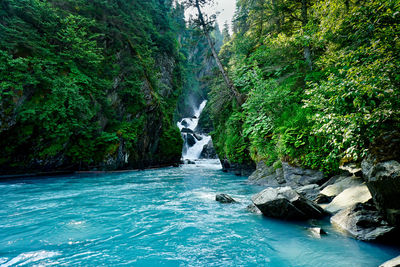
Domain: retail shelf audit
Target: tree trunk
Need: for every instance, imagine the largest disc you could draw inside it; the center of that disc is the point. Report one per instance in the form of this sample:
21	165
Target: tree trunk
304	18
238	96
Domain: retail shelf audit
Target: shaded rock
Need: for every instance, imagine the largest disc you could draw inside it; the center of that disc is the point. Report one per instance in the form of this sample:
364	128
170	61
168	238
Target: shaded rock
187	130
285	203
310	191
316	231
266	175
188	161
208	151
190	140
240	169
296	176
395	262
352	168
322	199
363	222
252	208
349	197
383	181
341	185
224	198
198	137
185	123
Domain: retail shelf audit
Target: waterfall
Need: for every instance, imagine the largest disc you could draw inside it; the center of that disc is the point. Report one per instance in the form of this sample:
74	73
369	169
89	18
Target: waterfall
194	142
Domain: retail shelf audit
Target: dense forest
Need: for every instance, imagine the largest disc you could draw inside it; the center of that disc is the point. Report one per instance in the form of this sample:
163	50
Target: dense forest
89	84
100	84
321	80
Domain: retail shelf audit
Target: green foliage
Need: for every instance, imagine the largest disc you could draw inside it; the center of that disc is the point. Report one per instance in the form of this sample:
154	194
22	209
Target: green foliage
78	79
321	81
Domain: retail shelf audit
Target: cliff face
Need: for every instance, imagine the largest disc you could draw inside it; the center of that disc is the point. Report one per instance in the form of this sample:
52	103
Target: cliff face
88	85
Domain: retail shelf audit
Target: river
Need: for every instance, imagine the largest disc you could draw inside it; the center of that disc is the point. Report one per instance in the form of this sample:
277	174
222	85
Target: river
162	217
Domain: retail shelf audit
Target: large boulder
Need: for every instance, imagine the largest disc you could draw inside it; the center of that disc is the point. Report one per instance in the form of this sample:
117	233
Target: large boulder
363	222
383	181
391	263
267	175
341	185
296	176
310	191
349	197
285	203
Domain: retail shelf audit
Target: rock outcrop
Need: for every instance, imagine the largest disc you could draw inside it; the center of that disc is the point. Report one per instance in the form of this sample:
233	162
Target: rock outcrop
288	175
363	222
349	197
287	204
383	181
267	175
296	176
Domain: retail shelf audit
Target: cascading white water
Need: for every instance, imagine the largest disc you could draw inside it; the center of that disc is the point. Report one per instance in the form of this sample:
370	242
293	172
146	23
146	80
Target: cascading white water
194	151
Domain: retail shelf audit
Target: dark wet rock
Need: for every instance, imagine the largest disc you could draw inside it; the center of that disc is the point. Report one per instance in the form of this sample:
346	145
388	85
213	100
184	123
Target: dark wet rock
198	137
395	262
253	209
316	231
190	140
383	181
185	123
208	151
296	176
267	175
188	161
187	130
363	222
323	199
224	198
286	203
310	191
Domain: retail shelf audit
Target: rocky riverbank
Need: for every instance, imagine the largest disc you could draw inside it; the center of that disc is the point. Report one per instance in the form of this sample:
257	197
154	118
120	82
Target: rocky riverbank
363	201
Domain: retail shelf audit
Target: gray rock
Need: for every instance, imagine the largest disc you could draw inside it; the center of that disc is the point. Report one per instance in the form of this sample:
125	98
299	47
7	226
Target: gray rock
383	181
310	191
285	203
267	175
224	198
349	197
296	176
252	208
363	222
341	185
335	179
395	262
316	231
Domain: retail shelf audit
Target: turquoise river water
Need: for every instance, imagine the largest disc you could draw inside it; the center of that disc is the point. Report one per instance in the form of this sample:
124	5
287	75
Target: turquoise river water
163	217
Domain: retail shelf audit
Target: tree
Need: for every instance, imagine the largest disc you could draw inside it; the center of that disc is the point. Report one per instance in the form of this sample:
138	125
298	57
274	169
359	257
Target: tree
206	24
